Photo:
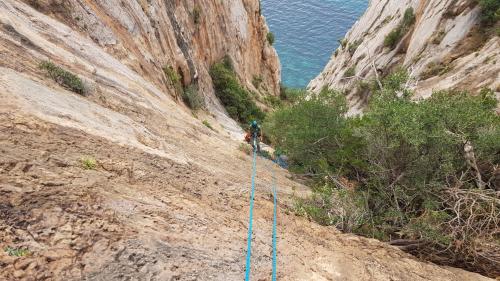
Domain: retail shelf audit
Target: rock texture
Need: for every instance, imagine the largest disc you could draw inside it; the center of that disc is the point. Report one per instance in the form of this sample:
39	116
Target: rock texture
145	36
444	49
168	197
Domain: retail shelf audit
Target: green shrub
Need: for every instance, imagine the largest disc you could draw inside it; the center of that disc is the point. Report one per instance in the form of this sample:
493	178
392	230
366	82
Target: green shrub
350	72
354	46
196	14
63	77
270	38
192	97
393	38
174	78
233	96
412	178
290	95
88	163
408	18
208	125
16	252
490	12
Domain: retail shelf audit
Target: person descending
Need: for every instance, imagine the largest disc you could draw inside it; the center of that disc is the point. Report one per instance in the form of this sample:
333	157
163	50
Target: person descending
256	134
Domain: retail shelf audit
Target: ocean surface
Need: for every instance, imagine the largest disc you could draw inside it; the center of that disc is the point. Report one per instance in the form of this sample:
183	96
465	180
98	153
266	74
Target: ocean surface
307	33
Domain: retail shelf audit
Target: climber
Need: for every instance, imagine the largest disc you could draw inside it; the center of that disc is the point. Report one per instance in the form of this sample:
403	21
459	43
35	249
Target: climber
253	135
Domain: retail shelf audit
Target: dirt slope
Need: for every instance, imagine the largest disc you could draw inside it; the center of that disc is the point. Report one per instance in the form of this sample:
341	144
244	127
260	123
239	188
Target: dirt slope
168	199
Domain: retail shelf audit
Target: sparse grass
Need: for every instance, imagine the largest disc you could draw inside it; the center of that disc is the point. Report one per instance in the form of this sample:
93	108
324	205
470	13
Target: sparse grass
245	148
16	252
435	69
257	81
438	37
196	14
350	72
343	42
270	38
387	20
88	163
63	77
208	125
192	97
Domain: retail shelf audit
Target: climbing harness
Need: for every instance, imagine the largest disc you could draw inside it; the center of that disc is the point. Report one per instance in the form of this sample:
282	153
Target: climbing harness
250	224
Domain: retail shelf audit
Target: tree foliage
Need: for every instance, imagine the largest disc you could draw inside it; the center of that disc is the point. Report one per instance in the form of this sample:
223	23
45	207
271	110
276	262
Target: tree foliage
418	171
235	98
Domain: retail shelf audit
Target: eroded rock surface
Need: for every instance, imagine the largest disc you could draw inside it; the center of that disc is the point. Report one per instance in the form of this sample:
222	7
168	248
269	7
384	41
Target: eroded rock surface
445	48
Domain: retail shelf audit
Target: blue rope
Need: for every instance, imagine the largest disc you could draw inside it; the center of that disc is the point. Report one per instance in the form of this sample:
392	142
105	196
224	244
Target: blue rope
274	224
250	223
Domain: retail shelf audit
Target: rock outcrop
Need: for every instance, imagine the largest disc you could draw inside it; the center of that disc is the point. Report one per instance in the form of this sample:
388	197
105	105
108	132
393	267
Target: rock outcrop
143	37
445	48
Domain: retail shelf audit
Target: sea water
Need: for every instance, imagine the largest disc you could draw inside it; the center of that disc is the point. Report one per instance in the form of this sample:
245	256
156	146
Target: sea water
307	33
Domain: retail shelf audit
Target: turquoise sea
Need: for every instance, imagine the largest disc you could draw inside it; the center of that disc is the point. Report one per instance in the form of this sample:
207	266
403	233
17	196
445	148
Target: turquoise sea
307	32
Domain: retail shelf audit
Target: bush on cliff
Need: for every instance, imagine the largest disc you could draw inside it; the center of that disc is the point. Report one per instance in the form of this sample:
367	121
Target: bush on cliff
235	98
421	173
270	38
63	77
393	38
490	12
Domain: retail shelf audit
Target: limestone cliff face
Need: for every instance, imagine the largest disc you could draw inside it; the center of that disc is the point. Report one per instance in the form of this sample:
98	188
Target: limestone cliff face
443	49
143	36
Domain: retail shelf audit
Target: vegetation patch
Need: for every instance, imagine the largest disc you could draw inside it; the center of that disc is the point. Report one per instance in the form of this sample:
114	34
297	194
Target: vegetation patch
257	81
435	69
354	46
192	97
235	98
16	252
63	77
208	125
350	72
272	101
270	38
343	43
490	12
245	148
438	37
404	171
196	14
174	78
393	38
88	163
291	95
